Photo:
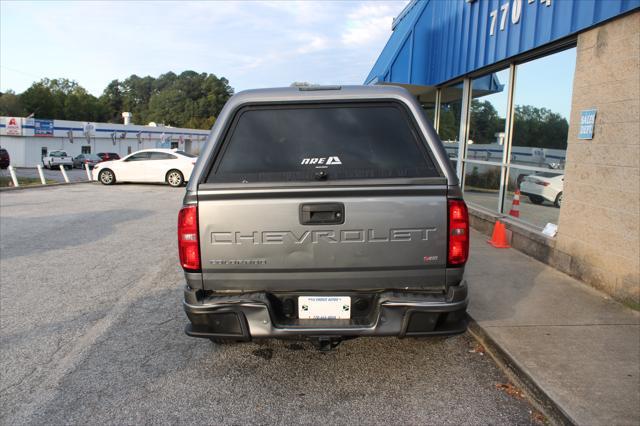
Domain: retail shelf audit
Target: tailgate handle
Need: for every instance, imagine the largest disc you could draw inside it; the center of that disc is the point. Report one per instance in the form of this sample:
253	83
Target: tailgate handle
321	213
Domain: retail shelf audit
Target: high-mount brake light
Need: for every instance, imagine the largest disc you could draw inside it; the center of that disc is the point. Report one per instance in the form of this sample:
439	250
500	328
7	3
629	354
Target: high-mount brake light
188	244
458	233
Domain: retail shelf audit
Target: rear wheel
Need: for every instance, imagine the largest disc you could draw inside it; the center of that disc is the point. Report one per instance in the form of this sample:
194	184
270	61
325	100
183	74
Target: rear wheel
558	201
536	199
106	177
175	178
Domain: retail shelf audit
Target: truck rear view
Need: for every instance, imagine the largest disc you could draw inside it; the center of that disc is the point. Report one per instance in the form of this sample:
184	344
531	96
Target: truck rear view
323	213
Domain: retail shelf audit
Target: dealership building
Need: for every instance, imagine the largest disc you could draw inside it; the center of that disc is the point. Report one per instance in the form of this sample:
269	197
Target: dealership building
540	98
29	139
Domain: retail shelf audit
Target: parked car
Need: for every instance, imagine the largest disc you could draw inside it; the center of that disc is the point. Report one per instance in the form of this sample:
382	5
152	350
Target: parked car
56	159
108	156
82	159
149	165
543	186
323	213
5	159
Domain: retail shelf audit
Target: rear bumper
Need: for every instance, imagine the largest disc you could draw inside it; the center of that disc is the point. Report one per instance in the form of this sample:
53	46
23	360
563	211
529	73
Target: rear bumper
250	316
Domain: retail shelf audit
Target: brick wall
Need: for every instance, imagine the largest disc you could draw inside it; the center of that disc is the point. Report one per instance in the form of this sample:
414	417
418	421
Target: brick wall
599	225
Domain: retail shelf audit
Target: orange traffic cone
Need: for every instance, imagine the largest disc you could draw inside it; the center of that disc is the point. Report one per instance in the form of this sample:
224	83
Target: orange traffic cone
515	205
499	237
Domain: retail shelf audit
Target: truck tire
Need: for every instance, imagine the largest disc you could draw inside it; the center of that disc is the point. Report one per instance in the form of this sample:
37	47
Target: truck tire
174	178
107	177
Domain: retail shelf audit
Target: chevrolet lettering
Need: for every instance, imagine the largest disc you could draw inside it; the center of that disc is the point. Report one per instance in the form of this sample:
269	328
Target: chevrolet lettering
329	236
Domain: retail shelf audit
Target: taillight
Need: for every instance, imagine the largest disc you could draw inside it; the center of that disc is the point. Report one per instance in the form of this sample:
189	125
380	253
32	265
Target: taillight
541	182
188	246
458	233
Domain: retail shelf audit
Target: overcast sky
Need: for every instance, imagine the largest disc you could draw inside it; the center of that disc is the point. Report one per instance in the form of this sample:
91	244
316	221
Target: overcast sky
253	44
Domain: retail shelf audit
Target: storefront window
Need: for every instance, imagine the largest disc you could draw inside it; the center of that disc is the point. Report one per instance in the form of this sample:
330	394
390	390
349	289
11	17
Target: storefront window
488	116
482	185
538	142
450	113
540	195
542	103
429	109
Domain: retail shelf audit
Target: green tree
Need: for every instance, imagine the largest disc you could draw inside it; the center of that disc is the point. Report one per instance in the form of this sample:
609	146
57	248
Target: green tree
450	120
485	122
539	127
112	101
190	99
62	99
10	104
41	100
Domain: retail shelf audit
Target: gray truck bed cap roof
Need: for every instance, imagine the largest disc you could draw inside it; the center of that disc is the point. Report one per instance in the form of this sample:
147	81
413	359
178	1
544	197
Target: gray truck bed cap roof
320	92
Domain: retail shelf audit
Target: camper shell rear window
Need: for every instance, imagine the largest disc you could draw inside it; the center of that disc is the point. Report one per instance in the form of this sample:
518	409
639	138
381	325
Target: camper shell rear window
312	142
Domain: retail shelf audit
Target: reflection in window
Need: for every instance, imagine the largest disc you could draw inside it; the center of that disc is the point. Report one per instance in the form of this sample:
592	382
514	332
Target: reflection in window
488	116
427	100
429	109
450	113
541	112
540	195
482	185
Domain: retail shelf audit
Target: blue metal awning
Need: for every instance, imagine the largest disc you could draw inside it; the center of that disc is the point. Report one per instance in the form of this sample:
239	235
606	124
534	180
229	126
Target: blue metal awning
435	41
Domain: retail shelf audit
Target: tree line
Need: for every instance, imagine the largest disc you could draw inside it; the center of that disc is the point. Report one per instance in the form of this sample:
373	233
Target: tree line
189	99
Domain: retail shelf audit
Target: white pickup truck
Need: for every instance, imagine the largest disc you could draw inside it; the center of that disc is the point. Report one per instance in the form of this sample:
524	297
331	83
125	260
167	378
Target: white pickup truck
57	158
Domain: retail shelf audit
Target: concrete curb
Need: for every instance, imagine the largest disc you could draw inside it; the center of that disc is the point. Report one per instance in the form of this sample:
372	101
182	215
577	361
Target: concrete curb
516	373
18	188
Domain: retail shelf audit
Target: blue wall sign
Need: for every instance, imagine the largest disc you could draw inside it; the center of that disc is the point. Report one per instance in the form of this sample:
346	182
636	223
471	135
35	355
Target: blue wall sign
43	128
587	121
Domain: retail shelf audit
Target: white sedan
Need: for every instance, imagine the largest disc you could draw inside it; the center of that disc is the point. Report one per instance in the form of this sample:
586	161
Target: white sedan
148	165
543	186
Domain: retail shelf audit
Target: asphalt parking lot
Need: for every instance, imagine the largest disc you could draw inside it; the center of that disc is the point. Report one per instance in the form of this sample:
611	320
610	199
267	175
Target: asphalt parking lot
92	332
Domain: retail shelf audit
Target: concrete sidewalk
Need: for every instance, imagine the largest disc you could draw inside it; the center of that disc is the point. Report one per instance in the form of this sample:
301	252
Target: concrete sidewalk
579	347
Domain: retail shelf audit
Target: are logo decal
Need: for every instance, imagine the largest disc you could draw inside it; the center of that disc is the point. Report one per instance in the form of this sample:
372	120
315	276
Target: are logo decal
335	160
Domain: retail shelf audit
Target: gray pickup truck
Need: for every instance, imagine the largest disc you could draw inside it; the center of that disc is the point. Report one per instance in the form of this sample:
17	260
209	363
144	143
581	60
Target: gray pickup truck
323	213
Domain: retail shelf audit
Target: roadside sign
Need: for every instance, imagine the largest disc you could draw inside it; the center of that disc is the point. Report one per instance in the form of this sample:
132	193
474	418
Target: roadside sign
587	121
14	126
43	128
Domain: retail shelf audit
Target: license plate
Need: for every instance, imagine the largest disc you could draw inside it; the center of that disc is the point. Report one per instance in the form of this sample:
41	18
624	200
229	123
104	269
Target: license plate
324	307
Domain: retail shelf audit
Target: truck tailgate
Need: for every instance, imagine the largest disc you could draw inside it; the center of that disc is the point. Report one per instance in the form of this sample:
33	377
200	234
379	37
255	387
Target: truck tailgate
382	238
